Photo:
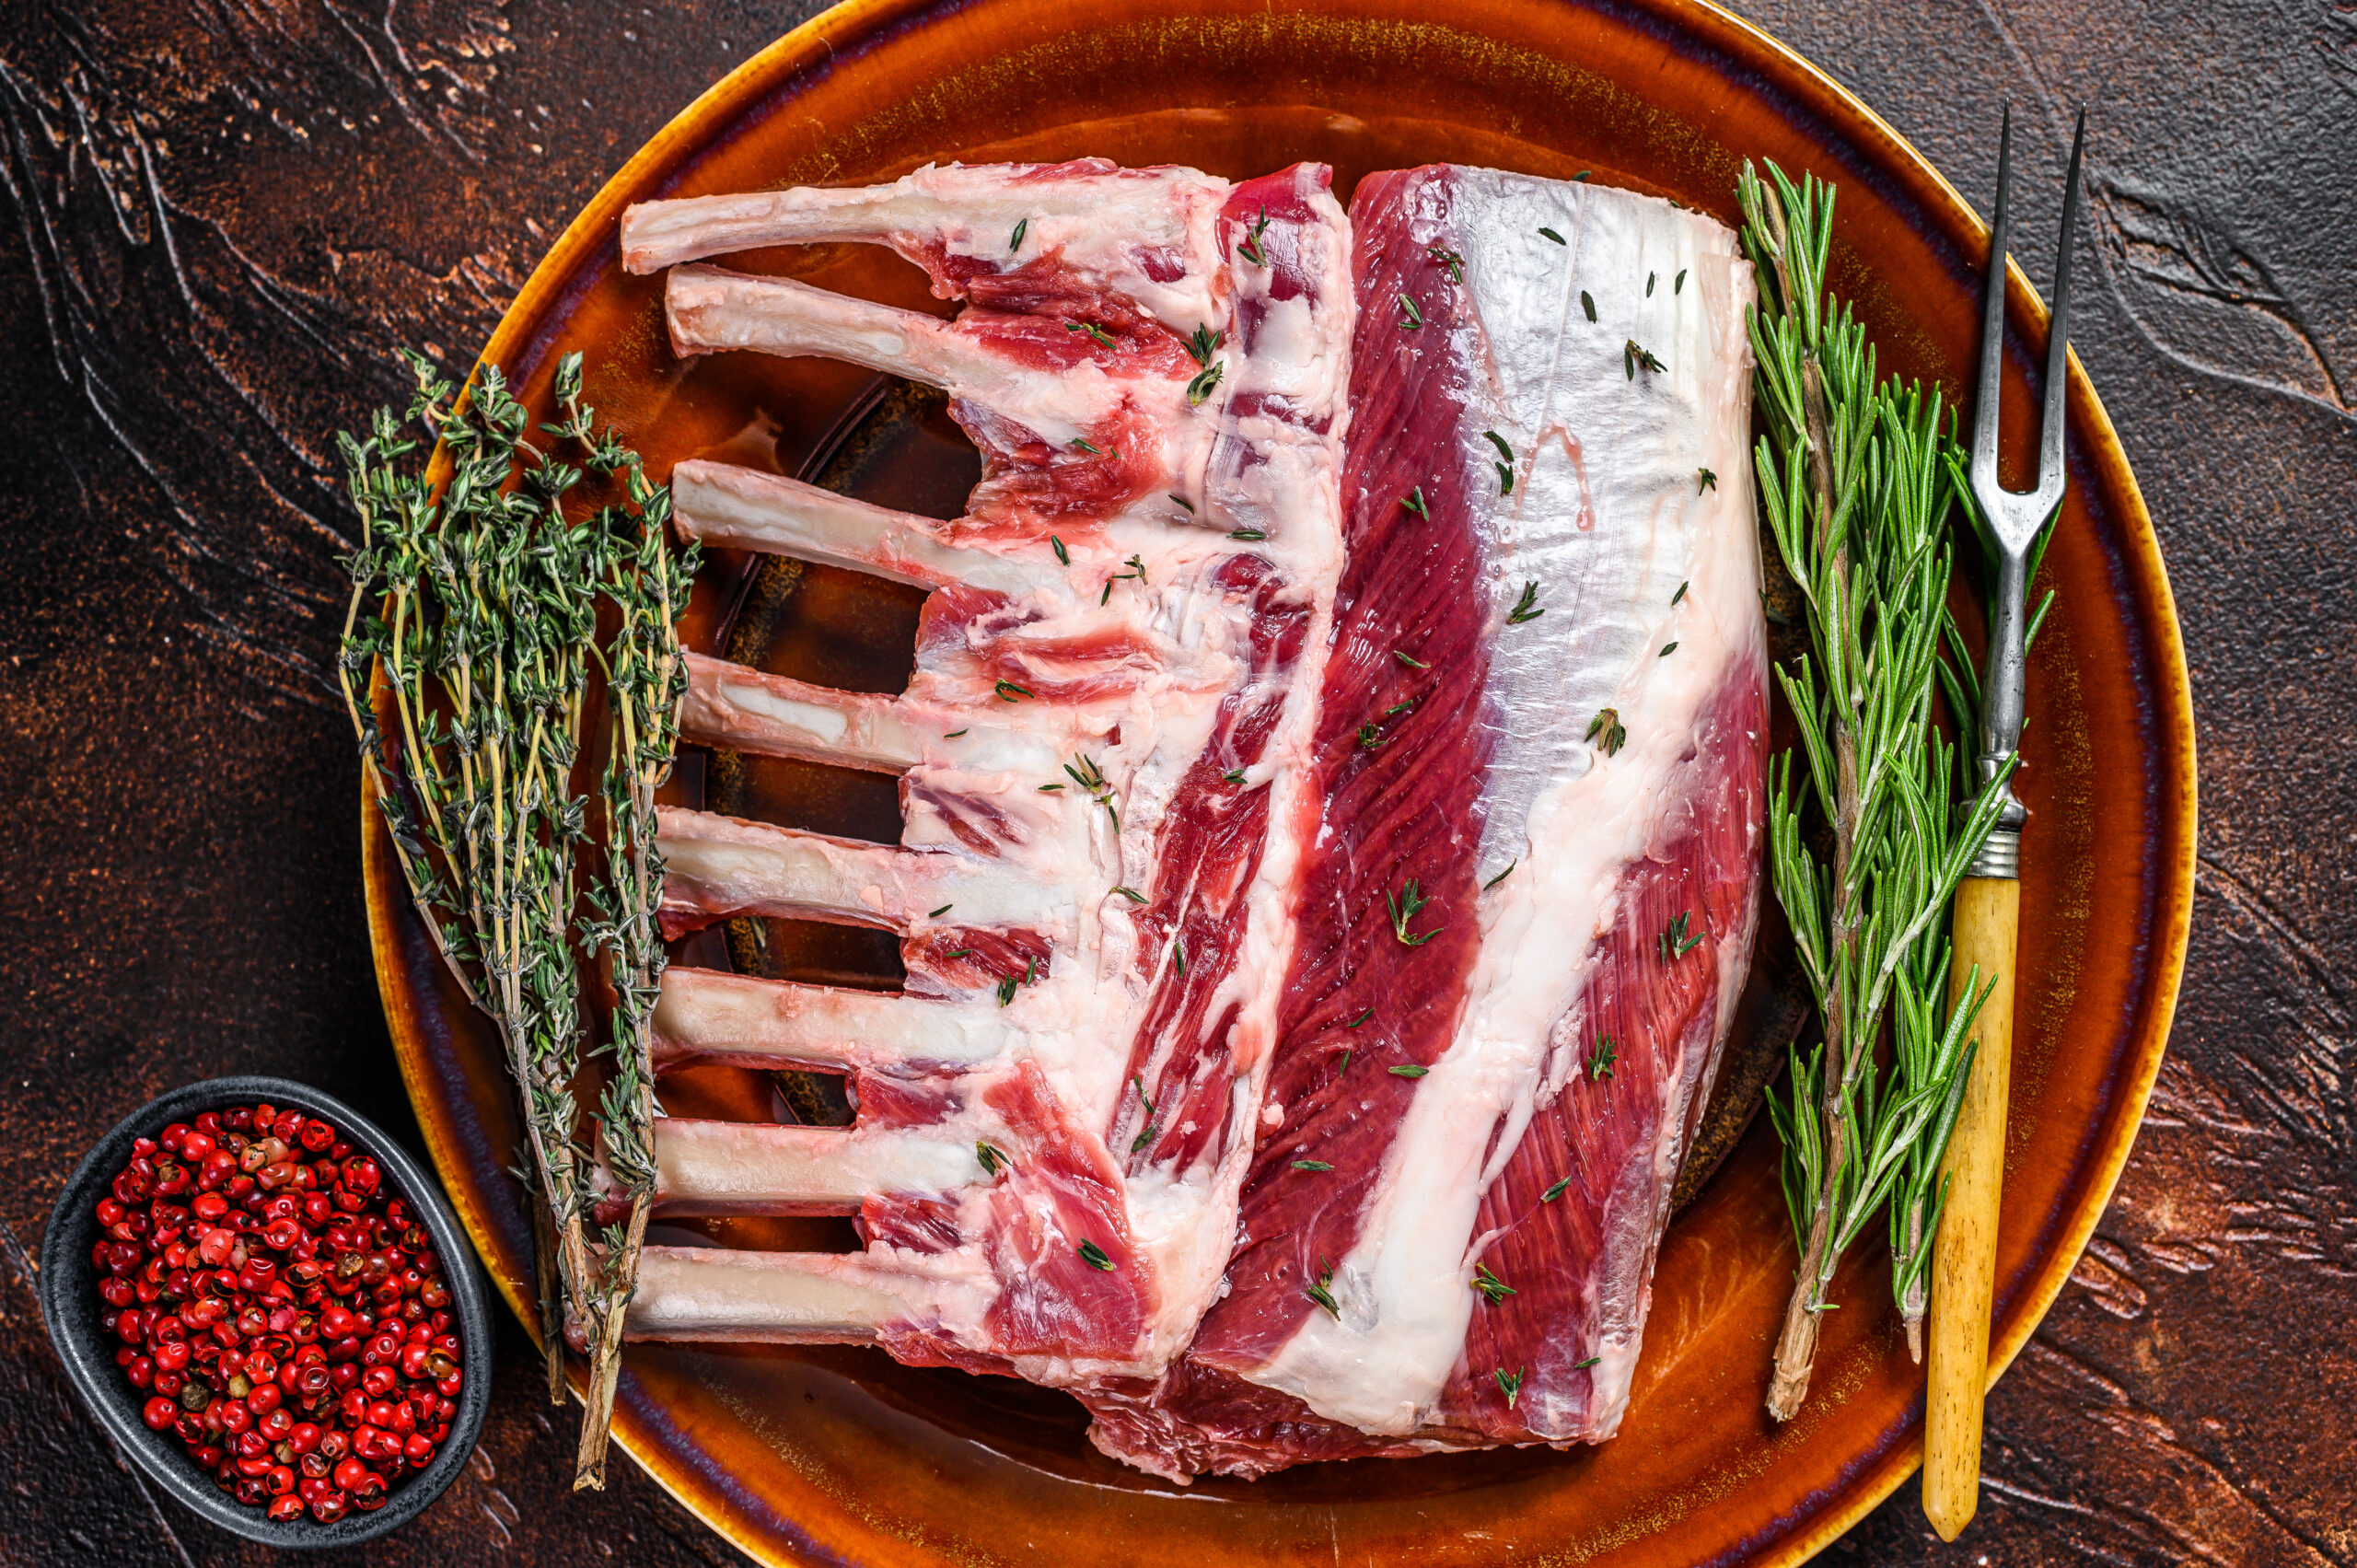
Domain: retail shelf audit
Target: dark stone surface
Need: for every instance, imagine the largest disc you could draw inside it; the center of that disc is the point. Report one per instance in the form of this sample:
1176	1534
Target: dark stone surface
221	215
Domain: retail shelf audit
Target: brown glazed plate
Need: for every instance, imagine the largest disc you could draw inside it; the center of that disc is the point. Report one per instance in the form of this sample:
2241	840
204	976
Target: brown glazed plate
840	1455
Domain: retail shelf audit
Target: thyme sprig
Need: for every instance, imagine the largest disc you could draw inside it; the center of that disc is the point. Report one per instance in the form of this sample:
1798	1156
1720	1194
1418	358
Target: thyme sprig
1857	499
475	601
647	682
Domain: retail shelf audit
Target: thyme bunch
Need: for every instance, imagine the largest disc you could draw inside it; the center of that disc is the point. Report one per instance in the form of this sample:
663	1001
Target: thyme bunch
1857	494
476	602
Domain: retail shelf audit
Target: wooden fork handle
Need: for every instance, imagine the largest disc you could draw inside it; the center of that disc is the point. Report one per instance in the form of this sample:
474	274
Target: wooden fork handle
1964	1255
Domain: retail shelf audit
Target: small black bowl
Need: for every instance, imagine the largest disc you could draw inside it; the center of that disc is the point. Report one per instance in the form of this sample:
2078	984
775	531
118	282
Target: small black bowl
70	1306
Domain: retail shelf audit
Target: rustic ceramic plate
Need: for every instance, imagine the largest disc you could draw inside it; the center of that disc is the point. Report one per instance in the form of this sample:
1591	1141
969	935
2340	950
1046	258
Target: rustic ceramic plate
840	1455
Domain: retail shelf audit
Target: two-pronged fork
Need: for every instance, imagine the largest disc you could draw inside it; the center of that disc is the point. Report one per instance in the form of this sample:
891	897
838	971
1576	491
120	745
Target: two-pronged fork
1988	902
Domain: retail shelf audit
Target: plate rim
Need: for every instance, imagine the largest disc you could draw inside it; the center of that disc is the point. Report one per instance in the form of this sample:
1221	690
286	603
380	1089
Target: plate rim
769	69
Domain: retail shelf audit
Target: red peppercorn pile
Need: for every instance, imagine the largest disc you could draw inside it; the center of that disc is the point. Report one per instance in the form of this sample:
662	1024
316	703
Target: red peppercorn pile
290	1323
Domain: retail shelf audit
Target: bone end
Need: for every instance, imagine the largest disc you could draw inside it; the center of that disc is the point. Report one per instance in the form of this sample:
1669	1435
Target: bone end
712	1293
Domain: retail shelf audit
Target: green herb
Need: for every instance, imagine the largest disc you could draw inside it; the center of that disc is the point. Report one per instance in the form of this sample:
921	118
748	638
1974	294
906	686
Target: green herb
1322	1291
1704	480
1410	317
1234	776
1362	1018
1246	534
1581	176
1414	502
1591	1361
1409	660
1499	441
1049	788
1202	344
1410	1071
1527	608
1007	991
1505	480
1405	908
1556	1192
1062	556
993	1159
1083	770
1250	249
1132	894
1636	356
1853	491
1599	1064
1105	598
1204	383
1311	1165
1086	445
1399	707
1587	303
1449	259
1667	649
953	735
1094	1256
1501	876
1680	286
1679	594
1550	233
1489	1285
1370	736
961	953
1009	692
1178	954
1675	942
1014	240
1606	725
1651	278
1186	504
1509	1384
1094	330
936	914
476	602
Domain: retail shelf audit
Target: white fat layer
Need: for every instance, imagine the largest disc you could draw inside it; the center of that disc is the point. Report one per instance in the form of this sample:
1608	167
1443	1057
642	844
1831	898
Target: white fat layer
1294	496
1099	226
704	1015
1608	517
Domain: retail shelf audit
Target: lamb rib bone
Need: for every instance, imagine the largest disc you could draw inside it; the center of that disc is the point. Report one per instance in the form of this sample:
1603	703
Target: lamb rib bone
1023	1209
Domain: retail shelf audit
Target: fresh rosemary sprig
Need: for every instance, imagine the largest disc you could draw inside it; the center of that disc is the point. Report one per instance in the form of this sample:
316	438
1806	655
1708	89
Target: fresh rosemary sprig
1857	499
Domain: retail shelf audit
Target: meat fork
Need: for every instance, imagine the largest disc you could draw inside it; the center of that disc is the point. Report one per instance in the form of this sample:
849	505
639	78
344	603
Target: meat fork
1988	902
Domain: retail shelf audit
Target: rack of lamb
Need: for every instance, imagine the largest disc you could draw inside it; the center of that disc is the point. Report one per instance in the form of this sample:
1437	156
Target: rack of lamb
1332	784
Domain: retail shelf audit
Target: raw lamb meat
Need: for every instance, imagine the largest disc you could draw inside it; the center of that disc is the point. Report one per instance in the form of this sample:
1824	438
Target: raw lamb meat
1528	912
1433	721
1103	763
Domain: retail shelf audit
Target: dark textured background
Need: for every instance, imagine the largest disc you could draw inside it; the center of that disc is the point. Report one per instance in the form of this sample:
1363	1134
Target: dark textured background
220	215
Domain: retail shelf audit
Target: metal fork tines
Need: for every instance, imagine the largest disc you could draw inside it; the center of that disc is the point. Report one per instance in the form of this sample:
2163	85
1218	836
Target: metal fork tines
2016	519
